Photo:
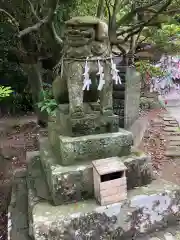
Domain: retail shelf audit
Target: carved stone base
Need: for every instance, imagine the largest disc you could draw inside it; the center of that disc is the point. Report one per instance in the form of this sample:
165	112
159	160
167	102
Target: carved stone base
123	220
70	150
74	183
93	122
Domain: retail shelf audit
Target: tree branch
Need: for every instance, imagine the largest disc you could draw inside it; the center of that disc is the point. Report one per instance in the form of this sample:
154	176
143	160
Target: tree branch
57	38
108	9
139	26
100	9
136	10
33	10
145	38
10	17
33	28
47	19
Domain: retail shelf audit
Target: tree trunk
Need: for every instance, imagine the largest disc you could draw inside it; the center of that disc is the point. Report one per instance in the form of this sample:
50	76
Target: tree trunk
100	9
132	42
34	72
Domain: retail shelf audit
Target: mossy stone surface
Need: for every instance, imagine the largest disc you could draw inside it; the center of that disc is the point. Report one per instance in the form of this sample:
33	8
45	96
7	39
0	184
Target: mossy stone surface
74	183
146	210
91	147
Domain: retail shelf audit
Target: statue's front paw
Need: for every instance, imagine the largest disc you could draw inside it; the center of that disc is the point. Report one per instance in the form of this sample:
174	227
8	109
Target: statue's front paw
107	111
77	113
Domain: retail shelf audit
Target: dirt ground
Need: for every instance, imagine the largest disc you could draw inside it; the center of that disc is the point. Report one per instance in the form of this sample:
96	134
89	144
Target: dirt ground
155	143
16	140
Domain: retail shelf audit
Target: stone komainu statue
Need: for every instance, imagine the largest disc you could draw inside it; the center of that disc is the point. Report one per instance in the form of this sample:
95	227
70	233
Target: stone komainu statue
84	37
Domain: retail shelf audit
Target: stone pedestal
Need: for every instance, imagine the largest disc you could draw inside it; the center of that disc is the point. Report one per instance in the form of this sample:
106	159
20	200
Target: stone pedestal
93	122
70	150
84	219
60	200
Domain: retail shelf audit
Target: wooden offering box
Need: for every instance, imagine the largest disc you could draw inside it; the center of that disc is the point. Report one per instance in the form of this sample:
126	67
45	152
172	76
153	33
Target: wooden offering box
110	184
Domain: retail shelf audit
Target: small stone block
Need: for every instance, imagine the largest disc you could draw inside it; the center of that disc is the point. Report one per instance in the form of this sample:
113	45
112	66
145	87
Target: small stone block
172	154
110	181
174	138
168	119
169	134
173	151
173	122
174	143
168	124
171	129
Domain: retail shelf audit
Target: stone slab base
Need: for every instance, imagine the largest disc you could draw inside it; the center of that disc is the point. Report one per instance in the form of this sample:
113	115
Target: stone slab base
170	233
93	122
69	150
18	228
74	183
147	209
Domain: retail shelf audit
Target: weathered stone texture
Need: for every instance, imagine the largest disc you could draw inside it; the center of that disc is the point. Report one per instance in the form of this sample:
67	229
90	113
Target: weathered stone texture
132	97
146	208
92	123
84	37
93	147
69	150
74	183
17	212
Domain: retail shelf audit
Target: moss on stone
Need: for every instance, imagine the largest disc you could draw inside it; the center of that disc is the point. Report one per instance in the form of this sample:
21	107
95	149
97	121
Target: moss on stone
83	20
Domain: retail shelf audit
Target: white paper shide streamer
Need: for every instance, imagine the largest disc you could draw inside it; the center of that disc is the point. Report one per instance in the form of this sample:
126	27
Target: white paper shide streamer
114	72
101	76
87	80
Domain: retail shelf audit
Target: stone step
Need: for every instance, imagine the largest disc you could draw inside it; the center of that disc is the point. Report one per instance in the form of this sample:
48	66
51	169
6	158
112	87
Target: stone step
171	233
172	134
75	182
156	123
169	124
173	143
172	151
168	118
69	150
37	176
171	129
174	138
147	208
173	122
18	228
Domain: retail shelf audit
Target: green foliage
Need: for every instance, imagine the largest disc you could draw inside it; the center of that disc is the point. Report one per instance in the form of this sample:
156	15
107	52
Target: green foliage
85	7
5	92
47	103
166	39
7	41
146	67
64	12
